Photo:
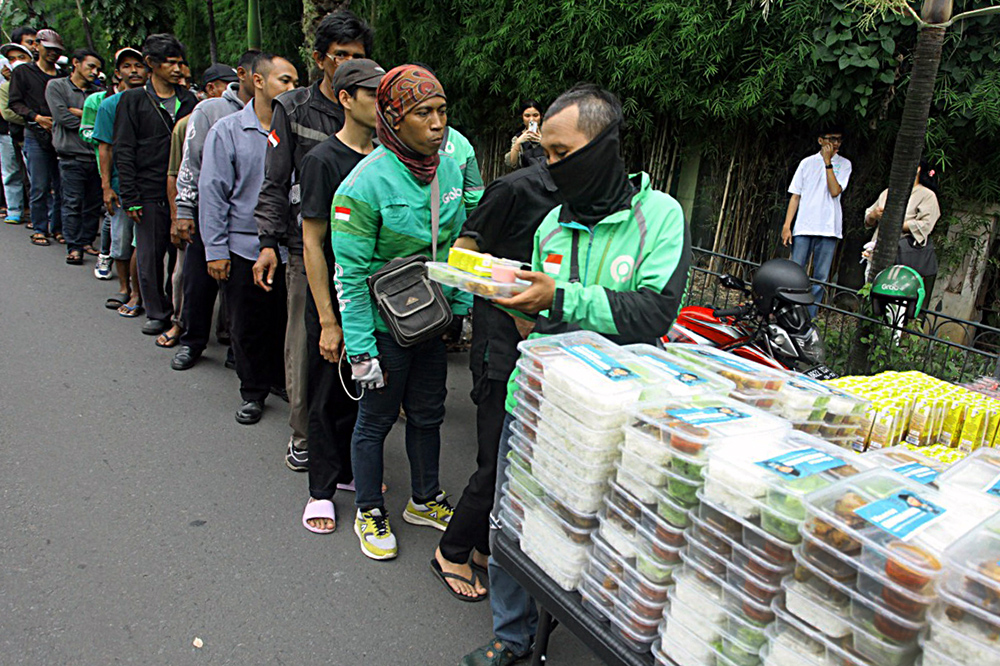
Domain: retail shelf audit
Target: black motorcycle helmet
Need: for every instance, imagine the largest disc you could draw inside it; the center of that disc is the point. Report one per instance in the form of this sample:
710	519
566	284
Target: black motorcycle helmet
780	279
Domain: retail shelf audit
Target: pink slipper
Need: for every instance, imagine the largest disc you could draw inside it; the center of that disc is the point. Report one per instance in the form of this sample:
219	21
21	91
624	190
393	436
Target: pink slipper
319	509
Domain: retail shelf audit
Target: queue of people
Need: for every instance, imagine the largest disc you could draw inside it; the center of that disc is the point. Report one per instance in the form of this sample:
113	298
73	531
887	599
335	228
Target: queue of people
267	207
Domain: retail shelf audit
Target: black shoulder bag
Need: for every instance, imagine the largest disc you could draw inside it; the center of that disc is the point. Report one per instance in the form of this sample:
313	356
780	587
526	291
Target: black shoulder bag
412	306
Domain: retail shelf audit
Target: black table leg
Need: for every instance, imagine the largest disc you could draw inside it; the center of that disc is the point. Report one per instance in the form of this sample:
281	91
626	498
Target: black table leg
542	637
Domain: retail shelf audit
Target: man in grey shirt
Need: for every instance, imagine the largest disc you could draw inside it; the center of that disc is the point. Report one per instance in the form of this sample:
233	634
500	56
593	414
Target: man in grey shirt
200	289
81	181
231	176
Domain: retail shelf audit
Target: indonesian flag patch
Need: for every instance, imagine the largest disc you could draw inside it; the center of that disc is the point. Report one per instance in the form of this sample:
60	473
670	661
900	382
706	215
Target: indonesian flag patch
273	139
552	264
342	214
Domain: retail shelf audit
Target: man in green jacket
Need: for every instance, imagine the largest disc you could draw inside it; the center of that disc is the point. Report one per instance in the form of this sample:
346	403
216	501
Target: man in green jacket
382	211
613	259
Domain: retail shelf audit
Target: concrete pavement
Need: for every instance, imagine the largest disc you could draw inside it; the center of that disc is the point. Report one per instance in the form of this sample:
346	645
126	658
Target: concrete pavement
137	515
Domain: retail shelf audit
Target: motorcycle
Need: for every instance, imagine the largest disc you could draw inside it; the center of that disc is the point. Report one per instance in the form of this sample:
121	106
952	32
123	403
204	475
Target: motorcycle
772	327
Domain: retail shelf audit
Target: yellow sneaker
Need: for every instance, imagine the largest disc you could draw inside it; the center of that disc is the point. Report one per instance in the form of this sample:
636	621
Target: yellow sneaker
435	513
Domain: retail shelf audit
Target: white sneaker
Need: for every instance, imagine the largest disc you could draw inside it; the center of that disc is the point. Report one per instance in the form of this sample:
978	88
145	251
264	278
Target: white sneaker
102	271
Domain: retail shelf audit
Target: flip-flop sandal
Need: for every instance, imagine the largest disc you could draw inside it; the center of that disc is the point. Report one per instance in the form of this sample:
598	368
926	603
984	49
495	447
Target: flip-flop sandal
89	249
40	240
482	572
60	239
74	258
131	311
319	509
168	340
444	576
116	301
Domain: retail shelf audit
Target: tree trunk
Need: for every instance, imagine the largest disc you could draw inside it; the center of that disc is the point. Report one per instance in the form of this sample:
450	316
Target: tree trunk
86	25
909	144
213	42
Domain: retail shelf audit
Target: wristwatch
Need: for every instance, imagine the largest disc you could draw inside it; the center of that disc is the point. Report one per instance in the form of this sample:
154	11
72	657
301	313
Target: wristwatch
360	358
829	166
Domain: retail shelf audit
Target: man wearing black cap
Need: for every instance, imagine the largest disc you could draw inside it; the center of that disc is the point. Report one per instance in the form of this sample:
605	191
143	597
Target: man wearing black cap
81	183
331	412
302	119
216	79
27	99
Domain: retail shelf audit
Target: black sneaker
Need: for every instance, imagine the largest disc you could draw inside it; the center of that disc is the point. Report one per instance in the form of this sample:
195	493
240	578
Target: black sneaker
230	359
296	460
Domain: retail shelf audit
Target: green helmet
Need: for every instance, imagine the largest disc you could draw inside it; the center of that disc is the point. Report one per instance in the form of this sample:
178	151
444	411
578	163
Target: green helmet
898	285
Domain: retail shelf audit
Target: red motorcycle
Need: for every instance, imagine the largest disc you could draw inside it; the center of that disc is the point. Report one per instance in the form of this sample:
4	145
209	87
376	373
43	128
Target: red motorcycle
772	328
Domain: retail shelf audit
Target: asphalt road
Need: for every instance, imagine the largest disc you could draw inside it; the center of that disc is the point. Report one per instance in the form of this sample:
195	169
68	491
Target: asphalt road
137	515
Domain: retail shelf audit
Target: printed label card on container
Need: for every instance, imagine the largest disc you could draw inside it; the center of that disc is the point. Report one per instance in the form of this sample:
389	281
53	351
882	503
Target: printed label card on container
903	515
802	463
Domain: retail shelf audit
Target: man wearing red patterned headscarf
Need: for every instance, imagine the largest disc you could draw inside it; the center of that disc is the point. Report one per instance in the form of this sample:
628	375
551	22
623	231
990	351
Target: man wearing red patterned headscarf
382	211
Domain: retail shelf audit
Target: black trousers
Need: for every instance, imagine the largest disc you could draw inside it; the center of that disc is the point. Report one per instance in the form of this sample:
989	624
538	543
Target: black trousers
257	325
470	523
200	290
153	247
331	413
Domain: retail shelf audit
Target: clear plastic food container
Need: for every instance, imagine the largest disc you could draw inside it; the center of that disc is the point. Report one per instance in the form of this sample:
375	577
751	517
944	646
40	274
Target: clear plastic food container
683	377
754	587
511	522
743	558
450	276
980	472
554	458
972	568
526	393
528	436
560	549
752	536
684	646
567	430
693	425
750	378
794	642
556	480
519	469
650	449
668	508
891	523
597	601
910	464
963	632
637	631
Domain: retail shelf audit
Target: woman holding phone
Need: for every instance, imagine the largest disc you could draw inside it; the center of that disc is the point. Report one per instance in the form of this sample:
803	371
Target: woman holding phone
526	148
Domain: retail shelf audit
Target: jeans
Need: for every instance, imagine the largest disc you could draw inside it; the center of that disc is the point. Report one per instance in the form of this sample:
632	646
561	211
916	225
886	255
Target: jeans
415	378
515	615
46	188
821	249
332	414
13	179
105	234
81	201
122	232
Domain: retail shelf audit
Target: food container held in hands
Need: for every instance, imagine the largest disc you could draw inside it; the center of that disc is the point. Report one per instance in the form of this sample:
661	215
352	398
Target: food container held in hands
691	426
485	287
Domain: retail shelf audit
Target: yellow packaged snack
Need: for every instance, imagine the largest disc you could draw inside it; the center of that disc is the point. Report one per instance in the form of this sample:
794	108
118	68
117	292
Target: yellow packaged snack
470	262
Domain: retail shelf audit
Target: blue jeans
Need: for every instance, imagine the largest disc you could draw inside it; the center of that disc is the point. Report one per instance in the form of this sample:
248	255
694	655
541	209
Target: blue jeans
46	190
415	378
105	232
13	180
821	249
81	201
515	616
122	232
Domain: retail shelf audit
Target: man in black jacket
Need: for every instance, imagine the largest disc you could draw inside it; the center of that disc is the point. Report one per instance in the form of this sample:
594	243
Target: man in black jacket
302	119
27	99
141	147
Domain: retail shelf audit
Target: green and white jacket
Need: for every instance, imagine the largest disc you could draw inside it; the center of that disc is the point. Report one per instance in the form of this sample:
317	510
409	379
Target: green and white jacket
381	212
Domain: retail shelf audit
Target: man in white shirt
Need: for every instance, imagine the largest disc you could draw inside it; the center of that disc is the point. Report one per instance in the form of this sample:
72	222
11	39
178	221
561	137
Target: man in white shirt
816	187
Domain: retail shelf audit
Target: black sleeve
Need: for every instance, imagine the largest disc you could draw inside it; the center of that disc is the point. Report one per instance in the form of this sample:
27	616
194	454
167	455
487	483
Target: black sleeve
16	99
489	221
123	148
316	182
271	213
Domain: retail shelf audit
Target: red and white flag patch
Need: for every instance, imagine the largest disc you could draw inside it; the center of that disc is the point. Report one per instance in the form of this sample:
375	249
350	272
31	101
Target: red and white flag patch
552	264
273	139
342	214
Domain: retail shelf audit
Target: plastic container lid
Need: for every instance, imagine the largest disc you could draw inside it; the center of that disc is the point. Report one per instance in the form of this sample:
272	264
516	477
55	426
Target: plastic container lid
895	518
808	643
962	634
587	409
978	472
682	376
751	584
584	463
474	284
692	425
750	378
754	538
910	464
566	430
556	480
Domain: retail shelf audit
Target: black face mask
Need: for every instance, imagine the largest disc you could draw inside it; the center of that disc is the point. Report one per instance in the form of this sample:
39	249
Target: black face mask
593	182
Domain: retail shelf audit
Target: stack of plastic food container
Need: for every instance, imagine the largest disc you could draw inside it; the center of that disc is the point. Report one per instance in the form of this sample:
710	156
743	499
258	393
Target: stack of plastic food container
980	472
871	552
964	627
572	399
754	384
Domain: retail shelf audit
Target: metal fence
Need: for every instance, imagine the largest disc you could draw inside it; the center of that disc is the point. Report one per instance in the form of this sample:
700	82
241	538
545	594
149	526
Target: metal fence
918	347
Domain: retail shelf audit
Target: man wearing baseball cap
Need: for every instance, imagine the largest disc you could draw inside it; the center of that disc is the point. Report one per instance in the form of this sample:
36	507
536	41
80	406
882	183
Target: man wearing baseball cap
27	99
331	412
216	79
12	135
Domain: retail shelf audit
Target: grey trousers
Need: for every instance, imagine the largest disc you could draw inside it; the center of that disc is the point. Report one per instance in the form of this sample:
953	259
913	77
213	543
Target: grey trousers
296	357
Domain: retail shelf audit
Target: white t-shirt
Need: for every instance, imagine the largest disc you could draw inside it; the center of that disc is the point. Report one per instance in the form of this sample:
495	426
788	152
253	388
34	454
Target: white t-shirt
819	213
